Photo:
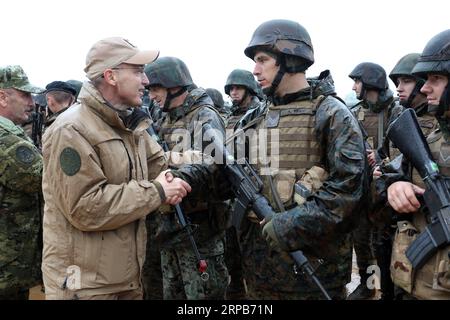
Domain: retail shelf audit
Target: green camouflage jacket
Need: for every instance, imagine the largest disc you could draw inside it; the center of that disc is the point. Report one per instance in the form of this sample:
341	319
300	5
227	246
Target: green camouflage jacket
20	218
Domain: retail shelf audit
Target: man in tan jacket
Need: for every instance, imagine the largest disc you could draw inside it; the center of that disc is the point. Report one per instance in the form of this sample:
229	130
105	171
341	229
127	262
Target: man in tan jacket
102	175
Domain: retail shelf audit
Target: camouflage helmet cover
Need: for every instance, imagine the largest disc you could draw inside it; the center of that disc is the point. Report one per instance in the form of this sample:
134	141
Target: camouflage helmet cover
282	36
168	72
404	67
240	77
371	75
435	56
13	76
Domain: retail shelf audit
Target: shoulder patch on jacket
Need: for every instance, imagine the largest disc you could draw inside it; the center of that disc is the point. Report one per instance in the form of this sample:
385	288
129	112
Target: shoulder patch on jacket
25	155
70	161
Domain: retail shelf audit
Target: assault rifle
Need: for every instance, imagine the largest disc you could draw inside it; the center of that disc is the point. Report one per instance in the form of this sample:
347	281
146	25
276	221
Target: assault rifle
37	121
247	187
405	133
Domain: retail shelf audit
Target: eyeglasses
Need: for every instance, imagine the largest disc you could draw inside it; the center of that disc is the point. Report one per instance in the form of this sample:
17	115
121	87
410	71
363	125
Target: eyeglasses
138	70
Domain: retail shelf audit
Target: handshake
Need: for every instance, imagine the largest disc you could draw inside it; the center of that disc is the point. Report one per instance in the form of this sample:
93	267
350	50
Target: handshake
175	189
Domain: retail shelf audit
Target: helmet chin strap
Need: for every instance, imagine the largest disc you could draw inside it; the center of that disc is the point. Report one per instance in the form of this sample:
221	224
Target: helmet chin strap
270	92
241	101
362	93
444	102
416	90
170	97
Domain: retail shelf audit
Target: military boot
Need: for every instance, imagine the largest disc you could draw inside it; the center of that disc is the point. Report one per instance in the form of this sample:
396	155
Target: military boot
362	292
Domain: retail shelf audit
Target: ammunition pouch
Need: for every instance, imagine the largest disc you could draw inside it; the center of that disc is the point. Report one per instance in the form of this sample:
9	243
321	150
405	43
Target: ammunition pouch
401	268
311	180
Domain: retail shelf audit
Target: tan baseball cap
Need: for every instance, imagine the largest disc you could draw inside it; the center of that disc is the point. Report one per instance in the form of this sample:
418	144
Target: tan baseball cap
110	52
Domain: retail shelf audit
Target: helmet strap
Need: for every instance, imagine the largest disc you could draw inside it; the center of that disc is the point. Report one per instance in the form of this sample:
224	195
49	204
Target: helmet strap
270	92
414	93
171	96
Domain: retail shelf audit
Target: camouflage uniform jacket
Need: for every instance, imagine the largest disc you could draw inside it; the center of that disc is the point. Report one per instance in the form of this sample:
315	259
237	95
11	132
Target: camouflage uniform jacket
192	120
320	226
20	215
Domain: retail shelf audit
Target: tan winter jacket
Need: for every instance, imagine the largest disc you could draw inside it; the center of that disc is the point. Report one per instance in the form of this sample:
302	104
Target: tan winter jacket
97	191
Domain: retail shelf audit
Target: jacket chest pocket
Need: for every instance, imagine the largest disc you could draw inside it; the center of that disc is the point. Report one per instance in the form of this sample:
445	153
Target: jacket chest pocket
116	160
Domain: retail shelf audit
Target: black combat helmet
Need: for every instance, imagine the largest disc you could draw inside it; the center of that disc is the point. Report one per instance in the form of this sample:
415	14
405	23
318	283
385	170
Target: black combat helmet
372	76
168	72
286	37
404	68
289	42
240	77
435	58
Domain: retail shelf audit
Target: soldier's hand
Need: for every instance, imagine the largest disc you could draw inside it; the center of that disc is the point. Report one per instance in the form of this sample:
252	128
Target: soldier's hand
268	233
376	172
402	196
175	189
371	157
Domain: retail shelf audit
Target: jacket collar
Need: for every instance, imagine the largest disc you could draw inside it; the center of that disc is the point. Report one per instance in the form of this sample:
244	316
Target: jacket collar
93	99
9	126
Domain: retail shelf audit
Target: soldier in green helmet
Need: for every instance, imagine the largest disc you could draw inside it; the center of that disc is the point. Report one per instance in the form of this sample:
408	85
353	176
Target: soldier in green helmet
20	188
243	90
189	109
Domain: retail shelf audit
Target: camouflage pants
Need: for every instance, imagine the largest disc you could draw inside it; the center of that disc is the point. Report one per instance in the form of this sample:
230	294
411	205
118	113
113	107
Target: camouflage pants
362	238
151	272
269	274
233	259
181	279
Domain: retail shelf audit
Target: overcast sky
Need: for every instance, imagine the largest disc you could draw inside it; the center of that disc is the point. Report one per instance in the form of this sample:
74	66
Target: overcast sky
50	38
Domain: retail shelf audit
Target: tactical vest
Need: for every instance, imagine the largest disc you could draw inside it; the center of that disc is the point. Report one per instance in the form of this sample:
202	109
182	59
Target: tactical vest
170	132
210	218
370	121
293	127
432	281
233	119
174	133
